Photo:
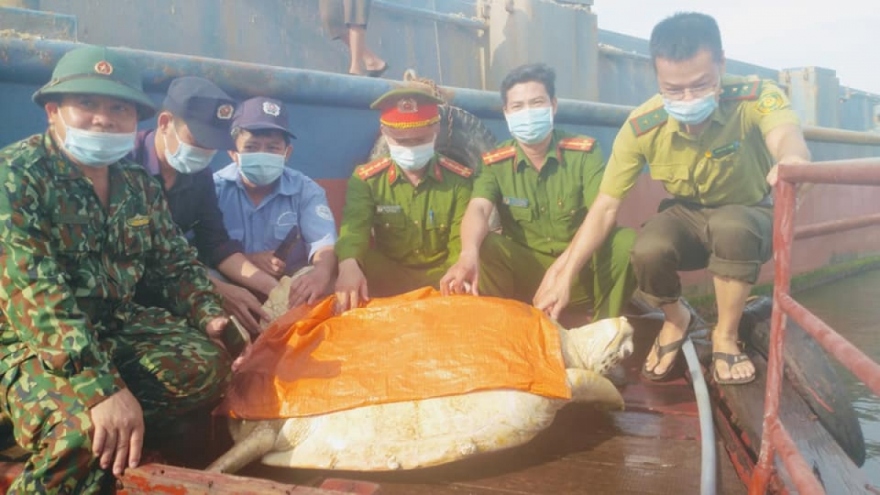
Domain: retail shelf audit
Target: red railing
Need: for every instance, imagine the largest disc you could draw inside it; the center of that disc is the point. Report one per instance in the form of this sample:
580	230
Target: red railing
775	439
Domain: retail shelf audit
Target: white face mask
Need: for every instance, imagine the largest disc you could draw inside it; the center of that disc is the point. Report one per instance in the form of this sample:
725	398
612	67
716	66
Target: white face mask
188	159
261	169
96	149
412	158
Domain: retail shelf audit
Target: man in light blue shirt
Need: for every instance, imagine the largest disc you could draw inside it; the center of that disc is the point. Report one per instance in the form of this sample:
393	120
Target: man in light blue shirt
280	215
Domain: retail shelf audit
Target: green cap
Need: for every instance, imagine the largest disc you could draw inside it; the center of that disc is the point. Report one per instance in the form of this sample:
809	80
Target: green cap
97	70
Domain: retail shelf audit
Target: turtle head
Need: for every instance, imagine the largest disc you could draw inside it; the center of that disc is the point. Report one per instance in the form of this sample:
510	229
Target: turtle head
598	346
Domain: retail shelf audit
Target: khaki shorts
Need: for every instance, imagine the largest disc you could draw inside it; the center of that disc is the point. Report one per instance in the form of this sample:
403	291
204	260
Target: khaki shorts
338	15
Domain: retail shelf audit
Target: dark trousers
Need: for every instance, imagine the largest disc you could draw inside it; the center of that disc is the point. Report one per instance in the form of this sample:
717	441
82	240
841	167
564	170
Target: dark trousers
731	241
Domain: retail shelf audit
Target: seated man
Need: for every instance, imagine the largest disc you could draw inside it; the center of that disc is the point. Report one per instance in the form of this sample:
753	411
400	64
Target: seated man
82	366
411	202
542	181
280	215
192	126
713	141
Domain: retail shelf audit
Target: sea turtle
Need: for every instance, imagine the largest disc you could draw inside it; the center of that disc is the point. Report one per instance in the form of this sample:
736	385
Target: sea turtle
432	431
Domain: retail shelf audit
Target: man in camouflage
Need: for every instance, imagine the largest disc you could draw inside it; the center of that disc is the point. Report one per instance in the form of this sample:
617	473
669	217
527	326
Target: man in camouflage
412	201
543	182
82	367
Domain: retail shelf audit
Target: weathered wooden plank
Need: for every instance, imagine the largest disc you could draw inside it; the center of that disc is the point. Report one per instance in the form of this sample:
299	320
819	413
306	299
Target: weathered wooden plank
164	479
746	404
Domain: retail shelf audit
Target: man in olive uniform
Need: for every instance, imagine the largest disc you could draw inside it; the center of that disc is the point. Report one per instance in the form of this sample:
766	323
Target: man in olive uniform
82	367
542	181
412	200
712	140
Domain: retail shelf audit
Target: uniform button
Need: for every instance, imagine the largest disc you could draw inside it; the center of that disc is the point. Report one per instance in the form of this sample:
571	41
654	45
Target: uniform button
416	222
543	209
559	203
572	212
418	251
548	238
387	225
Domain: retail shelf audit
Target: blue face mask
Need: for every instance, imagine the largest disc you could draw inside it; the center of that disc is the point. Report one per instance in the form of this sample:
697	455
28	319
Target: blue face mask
260	169
530	125
188	159
412	158
97	149
691	112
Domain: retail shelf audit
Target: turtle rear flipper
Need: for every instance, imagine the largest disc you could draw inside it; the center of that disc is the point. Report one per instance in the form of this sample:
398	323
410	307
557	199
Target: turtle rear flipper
260	441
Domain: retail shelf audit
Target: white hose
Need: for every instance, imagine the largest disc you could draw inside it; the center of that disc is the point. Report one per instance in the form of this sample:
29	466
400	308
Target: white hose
708	484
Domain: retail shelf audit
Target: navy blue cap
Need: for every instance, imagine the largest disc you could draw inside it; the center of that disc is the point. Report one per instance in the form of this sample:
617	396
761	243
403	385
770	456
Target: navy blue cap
206	109
261	113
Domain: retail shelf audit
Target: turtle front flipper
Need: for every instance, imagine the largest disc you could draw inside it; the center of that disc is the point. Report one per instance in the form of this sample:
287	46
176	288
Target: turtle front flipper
258	442
591	387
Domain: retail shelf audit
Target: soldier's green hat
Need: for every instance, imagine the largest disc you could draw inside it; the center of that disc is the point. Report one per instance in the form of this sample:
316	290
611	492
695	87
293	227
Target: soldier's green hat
97	70
406	108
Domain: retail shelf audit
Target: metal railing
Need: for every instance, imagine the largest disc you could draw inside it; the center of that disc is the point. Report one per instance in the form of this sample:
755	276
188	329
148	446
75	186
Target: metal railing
775	439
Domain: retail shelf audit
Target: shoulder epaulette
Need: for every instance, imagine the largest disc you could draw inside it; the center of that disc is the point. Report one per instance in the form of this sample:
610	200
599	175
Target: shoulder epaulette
577	143
374	167
455	167
749	90
647	121
499	154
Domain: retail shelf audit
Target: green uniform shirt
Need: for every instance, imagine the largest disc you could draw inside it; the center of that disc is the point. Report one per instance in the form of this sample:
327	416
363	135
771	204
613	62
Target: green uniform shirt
726	164
69	267
542	210
417	226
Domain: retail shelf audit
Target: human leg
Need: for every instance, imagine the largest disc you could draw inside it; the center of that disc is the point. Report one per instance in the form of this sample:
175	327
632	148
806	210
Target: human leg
52	424
386	277
356	15
170	367
668	242
740	241
613	279
509	269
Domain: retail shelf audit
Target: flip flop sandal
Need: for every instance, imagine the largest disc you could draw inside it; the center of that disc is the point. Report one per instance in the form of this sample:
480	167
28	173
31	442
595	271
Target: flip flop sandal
731	360
663	350
378	72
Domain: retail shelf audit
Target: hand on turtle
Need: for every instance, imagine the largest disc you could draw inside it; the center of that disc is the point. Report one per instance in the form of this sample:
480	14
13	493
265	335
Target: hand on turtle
462	278
119	431
554	293
243	304
351	286
309	287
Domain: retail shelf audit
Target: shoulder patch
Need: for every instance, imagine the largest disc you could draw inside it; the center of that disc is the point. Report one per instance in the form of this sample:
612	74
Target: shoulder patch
770	102
499	154
374	167
455	167
647	121
577	143
749	90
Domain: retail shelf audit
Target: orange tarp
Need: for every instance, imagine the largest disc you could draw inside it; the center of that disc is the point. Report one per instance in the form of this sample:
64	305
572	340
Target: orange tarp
413	346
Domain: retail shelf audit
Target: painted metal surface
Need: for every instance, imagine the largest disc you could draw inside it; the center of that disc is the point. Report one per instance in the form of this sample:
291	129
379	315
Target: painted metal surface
775	440
408	33
15	17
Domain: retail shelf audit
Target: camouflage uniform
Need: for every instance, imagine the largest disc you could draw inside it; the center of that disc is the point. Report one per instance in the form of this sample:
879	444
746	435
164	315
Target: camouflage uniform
71	335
